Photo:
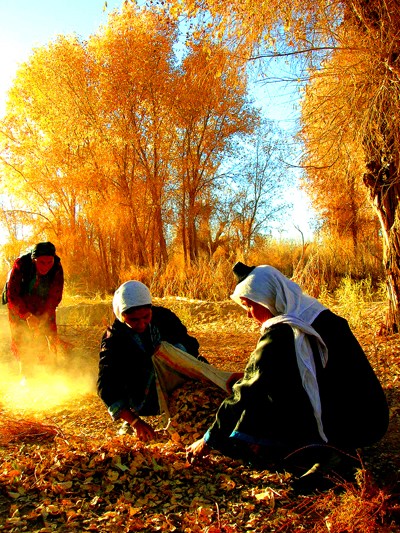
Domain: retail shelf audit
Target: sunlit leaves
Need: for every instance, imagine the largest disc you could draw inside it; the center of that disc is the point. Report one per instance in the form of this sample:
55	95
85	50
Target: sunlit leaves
89	479
334	158
106	482
305	24
117	126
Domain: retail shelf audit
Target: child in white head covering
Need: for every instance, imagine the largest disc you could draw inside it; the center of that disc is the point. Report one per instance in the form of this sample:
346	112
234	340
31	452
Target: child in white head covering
129	295
127	379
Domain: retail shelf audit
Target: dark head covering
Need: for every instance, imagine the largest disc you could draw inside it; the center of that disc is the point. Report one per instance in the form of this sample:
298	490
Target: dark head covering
43	248
241	271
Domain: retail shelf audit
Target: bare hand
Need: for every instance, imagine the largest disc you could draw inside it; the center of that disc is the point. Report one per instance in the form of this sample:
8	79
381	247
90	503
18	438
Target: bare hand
144	431
232	380
197	450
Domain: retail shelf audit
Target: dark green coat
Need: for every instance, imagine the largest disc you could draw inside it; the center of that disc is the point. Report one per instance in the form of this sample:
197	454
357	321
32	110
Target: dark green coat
270	407
126	376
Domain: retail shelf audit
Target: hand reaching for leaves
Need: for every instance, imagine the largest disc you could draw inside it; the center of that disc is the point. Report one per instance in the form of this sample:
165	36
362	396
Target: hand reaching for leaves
144	431
197	450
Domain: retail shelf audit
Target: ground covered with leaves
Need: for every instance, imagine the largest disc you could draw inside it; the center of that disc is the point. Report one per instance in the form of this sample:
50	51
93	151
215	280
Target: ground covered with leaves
64	467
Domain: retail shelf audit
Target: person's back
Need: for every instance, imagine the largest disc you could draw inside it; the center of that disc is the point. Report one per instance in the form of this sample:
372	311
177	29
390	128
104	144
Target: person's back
354	407
308	385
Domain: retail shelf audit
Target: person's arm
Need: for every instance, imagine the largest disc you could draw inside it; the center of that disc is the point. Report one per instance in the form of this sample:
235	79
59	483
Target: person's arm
250	394
144	431
54	296
197	450
109	375
109	386
174	331
14	299
244	396
229	412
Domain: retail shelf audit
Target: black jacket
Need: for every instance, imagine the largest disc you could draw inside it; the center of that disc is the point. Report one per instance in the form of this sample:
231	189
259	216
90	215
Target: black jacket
126	375
270	406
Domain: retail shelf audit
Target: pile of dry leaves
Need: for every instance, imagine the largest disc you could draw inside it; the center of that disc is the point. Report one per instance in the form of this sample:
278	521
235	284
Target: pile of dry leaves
65	468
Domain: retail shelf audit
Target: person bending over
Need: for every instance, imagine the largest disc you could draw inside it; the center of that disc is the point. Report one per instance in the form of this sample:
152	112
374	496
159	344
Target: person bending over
127	376
33	291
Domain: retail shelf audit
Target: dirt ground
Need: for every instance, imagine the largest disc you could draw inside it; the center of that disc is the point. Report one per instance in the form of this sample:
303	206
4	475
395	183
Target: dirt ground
226	338
69	402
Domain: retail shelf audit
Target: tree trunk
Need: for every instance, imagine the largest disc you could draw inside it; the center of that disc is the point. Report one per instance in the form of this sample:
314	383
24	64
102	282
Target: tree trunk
384	189
161	244
192	232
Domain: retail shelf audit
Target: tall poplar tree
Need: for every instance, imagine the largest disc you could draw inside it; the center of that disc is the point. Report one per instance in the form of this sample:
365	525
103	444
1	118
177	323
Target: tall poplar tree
315	30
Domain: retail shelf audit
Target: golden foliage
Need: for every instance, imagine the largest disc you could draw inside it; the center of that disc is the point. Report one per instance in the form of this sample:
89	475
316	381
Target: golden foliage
123	130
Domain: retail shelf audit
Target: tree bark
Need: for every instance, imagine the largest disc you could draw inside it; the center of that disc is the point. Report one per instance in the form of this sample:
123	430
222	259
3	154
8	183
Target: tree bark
384	189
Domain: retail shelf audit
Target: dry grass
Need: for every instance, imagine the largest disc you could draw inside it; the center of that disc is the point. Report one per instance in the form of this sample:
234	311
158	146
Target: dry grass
22	430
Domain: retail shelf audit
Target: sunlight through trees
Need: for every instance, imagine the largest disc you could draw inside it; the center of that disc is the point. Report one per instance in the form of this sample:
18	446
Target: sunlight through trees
113	147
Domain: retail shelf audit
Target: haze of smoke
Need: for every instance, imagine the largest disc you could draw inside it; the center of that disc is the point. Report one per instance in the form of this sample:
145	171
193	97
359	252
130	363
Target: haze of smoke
42	379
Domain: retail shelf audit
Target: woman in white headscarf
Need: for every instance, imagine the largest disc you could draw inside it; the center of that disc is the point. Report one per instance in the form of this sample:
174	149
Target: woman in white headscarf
127	378
307	384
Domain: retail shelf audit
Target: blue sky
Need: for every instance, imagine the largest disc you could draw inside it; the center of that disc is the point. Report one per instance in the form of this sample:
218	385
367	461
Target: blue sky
27	24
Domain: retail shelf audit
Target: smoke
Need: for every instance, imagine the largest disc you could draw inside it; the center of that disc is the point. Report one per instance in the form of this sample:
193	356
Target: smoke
42	390
44	377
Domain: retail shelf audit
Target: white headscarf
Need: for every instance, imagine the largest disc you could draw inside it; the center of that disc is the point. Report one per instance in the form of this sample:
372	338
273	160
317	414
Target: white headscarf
130	294
286	301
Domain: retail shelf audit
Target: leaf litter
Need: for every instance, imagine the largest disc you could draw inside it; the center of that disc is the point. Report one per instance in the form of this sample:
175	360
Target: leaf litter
65	468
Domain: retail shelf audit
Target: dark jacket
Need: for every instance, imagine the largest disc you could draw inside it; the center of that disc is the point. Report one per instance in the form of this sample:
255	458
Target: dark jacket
42	297
126	376
269	405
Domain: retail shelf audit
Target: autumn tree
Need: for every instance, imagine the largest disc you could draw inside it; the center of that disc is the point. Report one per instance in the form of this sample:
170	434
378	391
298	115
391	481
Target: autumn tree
369	30
89	136
375	27
334	156
134	67
45	146
211	110
112	145
357	91
260	176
